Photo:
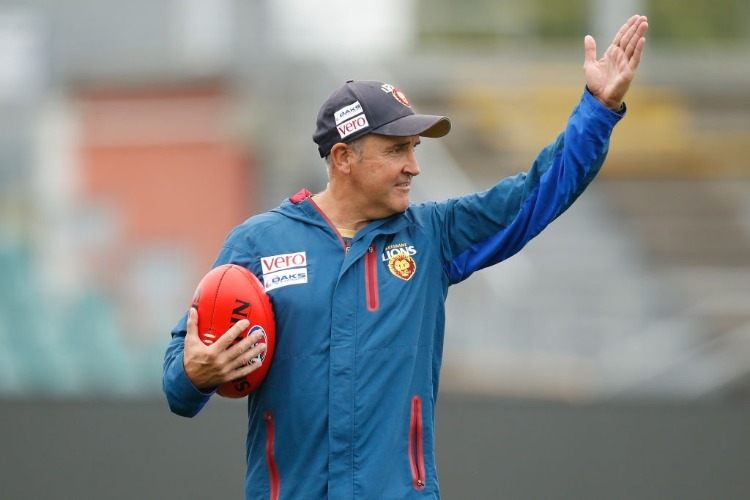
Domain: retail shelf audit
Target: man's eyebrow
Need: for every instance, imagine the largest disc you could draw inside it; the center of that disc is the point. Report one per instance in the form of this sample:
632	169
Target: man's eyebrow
402	144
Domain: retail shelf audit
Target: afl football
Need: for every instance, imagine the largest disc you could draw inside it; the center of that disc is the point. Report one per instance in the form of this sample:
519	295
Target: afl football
226	295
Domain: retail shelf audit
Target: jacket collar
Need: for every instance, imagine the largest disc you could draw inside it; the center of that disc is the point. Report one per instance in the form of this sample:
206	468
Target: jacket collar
300	207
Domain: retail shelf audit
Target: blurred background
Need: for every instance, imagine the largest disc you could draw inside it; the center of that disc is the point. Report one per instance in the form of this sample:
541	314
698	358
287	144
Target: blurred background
135	135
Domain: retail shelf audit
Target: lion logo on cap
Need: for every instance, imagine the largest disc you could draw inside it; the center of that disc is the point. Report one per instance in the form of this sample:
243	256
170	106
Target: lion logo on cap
396	93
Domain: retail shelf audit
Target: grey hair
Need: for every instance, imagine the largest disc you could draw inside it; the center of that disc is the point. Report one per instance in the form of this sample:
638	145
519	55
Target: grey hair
356	145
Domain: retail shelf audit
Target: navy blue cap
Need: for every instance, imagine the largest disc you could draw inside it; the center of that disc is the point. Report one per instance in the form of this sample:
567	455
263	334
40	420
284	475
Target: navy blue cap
368	107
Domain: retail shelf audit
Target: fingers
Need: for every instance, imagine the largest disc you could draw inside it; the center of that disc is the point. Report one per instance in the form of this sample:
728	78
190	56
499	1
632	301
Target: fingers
636	43
208	366
243	352
249	361
227	350
629	39
226	340
636	59
244	371
634	36
628	30
192	326
589	45
634	30
625	27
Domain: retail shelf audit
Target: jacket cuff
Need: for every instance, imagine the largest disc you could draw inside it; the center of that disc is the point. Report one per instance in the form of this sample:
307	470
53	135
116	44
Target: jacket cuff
184	398
595	105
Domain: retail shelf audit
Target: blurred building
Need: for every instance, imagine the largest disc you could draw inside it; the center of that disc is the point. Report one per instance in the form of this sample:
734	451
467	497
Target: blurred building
134	135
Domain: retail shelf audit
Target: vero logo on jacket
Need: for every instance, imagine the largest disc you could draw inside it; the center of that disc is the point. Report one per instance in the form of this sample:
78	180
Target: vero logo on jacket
284	269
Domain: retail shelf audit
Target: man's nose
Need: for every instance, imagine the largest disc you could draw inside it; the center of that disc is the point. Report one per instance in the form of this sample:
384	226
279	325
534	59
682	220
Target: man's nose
412	166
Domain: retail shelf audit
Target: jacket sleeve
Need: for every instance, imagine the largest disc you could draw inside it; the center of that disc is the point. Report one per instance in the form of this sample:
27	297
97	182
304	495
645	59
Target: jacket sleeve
183	397
482	229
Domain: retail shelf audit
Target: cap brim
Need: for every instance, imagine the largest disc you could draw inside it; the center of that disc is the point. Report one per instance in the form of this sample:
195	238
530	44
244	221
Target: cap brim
422	125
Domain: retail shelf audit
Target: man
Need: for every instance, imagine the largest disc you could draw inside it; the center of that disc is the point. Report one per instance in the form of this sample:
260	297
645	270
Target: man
347	408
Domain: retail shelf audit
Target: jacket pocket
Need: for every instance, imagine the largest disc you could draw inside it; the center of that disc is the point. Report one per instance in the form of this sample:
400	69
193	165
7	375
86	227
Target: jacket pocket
371	279
416	444
273	471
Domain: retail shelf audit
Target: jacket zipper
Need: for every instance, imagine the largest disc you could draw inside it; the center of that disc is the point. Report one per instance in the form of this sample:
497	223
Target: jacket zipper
416	444
371	279
371	265
273	471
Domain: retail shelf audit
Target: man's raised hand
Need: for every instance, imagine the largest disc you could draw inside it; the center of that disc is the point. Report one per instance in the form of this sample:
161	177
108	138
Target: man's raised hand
609	78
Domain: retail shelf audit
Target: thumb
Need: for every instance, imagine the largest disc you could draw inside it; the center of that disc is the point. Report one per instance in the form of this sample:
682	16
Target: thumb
192	326
589	45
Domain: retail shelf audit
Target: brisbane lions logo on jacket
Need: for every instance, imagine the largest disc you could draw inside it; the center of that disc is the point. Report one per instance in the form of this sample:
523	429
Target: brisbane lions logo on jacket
400	261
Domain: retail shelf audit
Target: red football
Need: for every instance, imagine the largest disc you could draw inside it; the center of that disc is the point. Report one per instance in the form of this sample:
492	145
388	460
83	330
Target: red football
225	295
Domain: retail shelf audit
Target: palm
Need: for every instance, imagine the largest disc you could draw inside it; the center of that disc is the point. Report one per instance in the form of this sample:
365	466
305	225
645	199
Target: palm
609	78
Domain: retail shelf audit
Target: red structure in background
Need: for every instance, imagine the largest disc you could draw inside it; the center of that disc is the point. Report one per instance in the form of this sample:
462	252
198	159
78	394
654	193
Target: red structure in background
163	162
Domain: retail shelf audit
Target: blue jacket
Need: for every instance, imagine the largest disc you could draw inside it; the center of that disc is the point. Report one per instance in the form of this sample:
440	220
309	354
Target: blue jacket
347	409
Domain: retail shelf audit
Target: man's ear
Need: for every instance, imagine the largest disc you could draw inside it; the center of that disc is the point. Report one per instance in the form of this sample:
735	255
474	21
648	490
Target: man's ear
341	156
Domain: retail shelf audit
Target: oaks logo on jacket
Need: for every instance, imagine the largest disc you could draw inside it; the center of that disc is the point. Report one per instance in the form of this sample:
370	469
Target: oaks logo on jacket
400	261
284	270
